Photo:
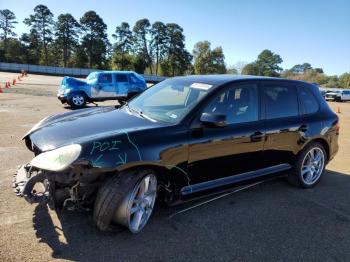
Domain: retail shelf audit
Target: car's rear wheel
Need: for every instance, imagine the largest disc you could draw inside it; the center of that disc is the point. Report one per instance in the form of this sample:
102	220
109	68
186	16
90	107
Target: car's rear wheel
309	166
127	199
77	100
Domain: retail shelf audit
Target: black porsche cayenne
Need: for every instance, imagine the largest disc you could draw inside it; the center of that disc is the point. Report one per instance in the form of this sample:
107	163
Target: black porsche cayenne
183	137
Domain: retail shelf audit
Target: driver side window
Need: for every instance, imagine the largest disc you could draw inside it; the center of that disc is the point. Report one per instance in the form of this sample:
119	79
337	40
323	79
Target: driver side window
239	104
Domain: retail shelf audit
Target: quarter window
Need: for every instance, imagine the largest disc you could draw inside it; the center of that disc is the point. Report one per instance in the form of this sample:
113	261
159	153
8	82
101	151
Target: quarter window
122	78
280	101
308	101
239	104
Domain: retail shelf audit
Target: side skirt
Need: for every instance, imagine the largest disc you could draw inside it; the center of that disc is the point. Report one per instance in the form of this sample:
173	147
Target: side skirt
233	179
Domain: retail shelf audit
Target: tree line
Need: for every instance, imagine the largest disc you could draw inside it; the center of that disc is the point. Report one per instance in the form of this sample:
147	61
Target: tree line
155	48
268	64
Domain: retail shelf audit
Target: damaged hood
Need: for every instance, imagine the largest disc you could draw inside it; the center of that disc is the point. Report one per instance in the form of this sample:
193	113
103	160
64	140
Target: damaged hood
84	125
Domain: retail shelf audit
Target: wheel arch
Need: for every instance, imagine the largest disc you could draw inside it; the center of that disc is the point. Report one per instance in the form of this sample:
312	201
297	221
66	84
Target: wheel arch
169	177
323	142
74	92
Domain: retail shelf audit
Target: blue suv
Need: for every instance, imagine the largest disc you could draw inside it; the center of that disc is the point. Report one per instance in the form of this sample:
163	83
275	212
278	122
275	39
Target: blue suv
100	86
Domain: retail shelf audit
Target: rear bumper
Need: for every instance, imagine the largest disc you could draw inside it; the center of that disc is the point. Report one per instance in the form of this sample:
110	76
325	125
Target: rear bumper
24	182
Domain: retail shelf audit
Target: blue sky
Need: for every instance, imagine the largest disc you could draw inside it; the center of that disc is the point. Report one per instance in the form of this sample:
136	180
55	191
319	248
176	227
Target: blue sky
314	31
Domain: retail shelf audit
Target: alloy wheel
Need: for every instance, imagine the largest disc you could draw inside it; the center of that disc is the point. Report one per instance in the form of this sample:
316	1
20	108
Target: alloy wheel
78	100
137	208
312	165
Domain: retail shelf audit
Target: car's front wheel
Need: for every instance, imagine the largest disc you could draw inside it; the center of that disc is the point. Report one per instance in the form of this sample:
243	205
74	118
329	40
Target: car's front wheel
309	166
127	199
77	100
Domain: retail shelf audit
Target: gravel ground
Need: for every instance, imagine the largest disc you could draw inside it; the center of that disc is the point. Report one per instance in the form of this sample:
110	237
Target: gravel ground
272	221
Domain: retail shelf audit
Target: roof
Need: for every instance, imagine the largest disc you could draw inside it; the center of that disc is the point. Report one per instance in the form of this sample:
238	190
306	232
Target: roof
223	79
116	71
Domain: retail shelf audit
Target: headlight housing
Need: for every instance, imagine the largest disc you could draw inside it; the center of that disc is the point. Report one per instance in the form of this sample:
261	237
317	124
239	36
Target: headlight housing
67	90
58	159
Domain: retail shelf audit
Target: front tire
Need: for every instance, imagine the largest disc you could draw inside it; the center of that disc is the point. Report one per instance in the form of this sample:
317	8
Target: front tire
77	100
126	199
309	167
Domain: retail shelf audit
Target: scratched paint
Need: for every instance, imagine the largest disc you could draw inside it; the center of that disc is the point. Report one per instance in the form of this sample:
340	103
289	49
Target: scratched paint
184	172
105	146
118	146
122	157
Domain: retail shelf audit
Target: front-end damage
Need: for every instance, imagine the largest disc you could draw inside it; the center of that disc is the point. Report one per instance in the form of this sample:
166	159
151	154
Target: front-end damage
74	188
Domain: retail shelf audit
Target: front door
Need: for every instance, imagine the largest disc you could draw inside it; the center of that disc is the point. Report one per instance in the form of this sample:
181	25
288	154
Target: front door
104	88
232	150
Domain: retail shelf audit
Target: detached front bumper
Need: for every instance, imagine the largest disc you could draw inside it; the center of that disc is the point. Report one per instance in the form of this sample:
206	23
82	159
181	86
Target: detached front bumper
26	181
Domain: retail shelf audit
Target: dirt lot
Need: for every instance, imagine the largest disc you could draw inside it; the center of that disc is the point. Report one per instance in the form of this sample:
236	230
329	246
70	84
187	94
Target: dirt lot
272	221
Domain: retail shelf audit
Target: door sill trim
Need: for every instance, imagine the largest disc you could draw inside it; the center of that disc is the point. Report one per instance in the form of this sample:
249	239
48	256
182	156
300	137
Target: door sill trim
190	189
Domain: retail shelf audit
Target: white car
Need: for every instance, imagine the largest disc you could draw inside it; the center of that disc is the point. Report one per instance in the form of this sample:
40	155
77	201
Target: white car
338	95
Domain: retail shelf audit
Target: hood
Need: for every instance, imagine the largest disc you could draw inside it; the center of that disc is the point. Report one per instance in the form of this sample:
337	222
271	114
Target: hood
83	125
70	82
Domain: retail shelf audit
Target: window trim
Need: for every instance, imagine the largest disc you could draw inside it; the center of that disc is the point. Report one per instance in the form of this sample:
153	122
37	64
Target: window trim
225	88
102	74
278	83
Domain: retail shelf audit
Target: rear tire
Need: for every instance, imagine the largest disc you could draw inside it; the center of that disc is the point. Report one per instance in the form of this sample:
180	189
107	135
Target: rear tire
115	201
309	167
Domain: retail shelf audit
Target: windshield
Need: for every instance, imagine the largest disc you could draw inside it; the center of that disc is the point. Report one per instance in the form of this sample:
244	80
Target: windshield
92	77
170	100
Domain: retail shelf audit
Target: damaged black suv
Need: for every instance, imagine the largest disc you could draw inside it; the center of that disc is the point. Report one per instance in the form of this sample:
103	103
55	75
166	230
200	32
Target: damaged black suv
182	138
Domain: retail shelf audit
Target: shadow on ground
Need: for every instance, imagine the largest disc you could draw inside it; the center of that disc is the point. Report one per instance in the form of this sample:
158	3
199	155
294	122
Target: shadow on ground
272	221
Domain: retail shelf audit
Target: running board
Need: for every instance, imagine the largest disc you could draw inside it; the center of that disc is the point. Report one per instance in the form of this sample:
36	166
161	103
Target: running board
233	179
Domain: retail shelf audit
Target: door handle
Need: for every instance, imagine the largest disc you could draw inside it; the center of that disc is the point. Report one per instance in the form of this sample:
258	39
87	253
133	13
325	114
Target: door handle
257	136
303	128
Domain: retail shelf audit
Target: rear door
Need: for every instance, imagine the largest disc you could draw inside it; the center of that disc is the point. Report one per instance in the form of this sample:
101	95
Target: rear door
282	123
121	84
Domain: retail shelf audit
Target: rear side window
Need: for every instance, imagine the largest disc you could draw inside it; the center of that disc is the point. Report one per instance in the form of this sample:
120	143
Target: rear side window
105	78
121	78
308	100
281	101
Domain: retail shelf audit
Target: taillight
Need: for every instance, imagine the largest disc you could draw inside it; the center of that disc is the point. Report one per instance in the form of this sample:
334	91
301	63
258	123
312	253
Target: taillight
337	128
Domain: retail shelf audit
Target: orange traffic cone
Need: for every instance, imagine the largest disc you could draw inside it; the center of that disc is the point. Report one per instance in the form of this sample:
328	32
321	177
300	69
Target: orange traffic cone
0	90
8	84
13	82
338	110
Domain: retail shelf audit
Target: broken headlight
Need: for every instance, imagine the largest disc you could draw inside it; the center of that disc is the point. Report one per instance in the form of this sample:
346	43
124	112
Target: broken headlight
58	159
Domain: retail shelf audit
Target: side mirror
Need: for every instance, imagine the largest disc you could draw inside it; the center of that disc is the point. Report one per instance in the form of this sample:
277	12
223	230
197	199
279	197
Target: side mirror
213	120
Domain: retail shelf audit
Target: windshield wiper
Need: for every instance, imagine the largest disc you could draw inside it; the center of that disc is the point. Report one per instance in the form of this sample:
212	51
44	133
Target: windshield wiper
139	112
